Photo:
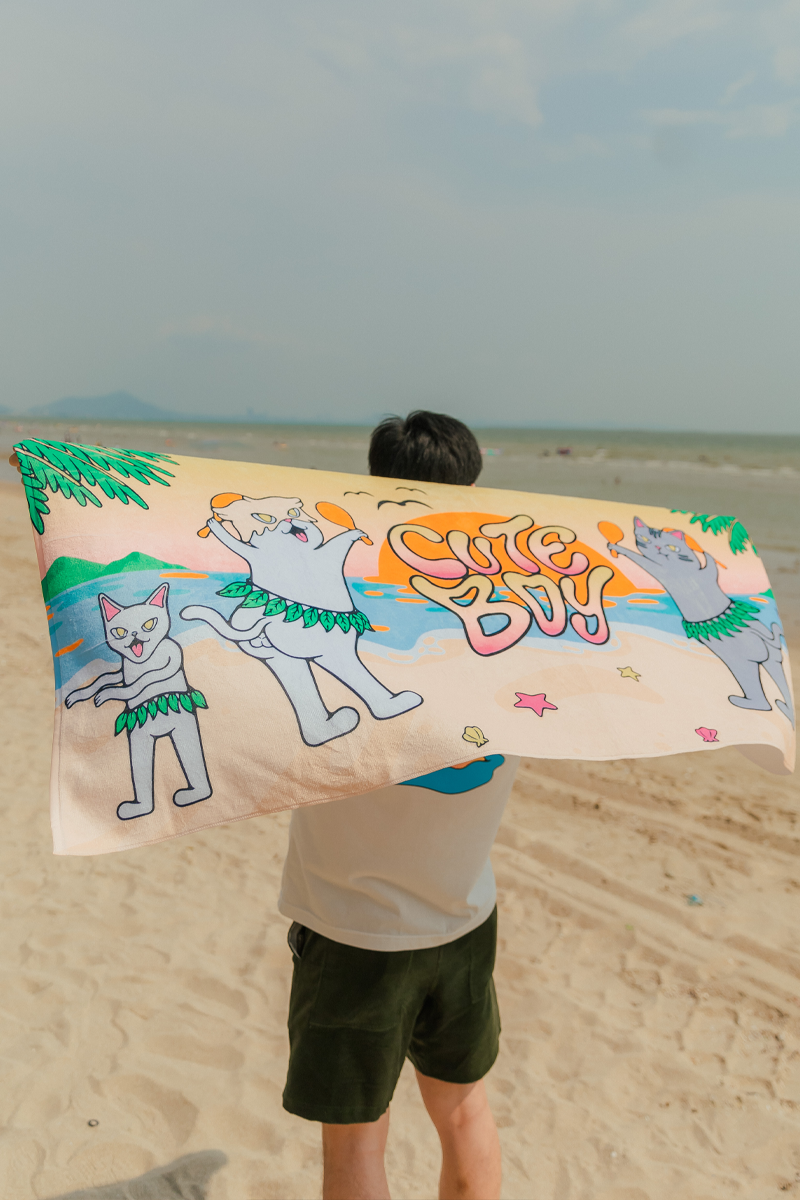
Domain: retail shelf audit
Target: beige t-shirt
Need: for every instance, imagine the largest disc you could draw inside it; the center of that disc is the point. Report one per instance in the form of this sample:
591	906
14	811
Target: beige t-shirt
403	867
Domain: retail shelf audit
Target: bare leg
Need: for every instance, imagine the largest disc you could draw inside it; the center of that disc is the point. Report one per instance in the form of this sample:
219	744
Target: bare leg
352	1157
189	749
141	745
471	1167
345	665
774	667
317	725
743	654
748	678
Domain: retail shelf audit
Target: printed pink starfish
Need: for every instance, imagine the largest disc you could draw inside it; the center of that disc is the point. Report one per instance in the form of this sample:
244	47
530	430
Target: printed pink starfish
708	735
538	703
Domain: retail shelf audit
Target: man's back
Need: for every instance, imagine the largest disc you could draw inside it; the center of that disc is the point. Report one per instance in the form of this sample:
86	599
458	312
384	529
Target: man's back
402	867
394	930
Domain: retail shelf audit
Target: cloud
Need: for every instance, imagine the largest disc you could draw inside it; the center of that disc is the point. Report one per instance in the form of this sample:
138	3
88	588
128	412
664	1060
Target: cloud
750	121
454	53
501	82
659	25
580	146
733	89
780	29
342	208
764	120
221	329
221	332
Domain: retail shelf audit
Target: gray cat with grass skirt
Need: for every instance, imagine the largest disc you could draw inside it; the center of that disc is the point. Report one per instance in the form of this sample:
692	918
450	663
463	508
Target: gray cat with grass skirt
726	626
158	701
296	610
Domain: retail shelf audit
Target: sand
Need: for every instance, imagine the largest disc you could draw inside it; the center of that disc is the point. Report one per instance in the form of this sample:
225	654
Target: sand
651	1046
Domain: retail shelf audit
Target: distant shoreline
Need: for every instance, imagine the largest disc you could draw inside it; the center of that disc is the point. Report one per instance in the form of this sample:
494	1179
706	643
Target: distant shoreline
593	431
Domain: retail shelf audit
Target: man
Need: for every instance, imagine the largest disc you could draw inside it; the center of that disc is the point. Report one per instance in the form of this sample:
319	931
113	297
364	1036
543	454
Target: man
392	896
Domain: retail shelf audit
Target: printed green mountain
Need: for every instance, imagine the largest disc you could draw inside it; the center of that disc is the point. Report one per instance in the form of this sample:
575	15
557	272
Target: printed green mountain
66	572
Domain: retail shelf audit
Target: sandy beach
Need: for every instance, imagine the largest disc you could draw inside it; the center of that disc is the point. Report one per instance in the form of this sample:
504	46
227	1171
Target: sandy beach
648	972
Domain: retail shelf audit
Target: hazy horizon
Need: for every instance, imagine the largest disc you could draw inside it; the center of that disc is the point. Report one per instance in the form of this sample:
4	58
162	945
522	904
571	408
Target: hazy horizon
738	437
530	214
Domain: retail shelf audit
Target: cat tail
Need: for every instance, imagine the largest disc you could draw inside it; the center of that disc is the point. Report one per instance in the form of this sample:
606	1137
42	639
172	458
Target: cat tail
197	612
771	637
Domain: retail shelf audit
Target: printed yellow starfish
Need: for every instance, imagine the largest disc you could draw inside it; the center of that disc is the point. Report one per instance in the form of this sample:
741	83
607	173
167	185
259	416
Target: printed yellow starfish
628	673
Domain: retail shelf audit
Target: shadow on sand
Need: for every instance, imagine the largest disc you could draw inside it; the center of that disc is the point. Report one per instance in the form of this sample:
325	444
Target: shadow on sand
185	1179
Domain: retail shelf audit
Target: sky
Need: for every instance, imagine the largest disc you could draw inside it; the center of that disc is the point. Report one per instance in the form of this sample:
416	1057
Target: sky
522	212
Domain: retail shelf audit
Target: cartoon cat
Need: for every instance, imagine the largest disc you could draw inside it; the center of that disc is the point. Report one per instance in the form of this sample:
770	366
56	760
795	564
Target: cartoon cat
158	702
296	610
726	626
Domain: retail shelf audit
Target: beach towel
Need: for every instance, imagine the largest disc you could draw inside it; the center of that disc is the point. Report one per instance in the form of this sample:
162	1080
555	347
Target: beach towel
232	639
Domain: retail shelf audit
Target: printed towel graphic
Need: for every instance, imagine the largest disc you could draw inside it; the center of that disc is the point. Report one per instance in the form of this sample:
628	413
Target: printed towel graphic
231	639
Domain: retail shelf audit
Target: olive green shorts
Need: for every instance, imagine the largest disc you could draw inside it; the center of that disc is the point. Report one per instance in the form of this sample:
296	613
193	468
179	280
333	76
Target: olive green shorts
355	1015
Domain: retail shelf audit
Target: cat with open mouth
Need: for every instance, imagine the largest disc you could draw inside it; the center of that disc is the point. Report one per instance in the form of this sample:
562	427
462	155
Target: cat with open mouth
728	628
296	609
158	701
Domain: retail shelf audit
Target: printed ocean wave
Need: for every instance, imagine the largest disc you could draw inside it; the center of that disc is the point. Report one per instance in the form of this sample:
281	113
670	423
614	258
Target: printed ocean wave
405	626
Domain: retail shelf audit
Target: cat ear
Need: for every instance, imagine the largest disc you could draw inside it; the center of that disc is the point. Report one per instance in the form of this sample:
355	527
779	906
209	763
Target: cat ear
108	607
678	534
639	524
159	596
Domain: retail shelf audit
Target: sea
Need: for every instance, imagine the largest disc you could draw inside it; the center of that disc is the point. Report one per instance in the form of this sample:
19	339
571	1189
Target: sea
753	477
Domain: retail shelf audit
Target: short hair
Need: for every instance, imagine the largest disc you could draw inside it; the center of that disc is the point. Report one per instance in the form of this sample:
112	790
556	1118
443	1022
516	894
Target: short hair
428	446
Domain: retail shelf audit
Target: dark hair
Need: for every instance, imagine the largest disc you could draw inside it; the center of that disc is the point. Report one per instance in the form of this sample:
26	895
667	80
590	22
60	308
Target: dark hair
427	446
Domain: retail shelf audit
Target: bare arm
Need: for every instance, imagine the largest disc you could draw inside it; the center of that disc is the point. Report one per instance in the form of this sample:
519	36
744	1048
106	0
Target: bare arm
633	555
86	693
710	565
132	690
651	568
243	549
340	545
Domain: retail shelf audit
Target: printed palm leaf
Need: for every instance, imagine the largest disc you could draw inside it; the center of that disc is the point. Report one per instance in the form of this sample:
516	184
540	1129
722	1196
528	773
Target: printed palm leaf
738	537
79	472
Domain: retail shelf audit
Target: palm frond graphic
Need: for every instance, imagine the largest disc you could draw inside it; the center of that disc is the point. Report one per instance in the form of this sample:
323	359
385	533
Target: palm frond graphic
79	472
738	537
